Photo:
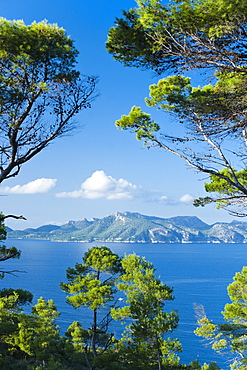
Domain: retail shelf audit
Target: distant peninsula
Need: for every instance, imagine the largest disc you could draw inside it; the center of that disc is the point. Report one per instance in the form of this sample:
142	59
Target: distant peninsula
130	227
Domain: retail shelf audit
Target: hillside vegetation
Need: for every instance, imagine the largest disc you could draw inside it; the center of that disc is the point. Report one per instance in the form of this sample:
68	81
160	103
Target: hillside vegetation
137	228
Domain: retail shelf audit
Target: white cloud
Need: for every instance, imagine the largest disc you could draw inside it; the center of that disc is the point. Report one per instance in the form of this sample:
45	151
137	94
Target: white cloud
100	185
186	199
32	187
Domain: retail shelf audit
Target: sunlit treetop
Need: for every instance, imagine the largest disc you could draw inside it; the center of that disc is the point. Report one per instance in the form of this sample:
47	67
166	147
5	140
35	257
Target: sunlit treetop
181	35
40	90
206	125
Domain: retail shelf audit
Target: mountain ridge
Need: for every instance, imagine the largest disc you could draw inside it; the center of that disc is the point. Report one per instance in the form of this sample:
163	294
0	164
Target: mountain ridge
137	228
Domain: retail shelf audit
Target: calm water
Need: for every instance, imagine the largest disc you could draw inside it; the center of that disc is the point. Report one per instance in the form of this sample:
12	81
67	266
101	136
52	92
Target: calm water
199	273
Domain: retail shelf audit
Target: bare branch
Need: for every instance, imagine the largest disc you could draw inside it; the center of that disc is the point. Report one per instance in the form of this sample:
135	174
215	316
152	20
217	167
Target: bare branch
12	216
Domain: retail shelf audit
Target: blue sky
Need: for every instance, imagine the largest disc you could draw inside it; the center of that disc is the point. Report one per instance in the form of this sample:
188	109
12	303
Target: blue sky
99	170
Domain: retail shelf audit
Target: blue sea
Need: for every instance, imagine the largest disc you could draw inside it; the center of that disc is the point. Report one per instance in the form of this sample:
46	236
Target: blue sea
199	274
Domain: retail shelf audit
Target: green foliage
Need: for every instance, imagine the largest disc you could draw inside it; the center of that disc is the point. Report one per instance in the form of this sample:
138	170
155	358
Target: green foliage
32	341
130	32
37	335
176	94
38	77
35	45
194	365
85	285
174	90
92	284
140	123
24	296
8	315
76	335
223	186
6	253
227	184
237	310
180	36
231	335
3	232
143	345
102	259
145	299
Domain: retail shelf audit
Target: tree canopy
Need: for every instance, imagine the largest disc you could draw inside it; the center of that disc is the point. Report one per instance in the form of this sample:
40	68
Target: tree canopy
149	323
99	284
181	36
41	91
230	336
92	284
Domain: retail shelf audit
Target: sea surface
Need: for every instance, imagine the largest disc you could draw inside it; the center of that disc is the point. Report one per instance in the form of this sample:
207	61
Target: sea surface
199	274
